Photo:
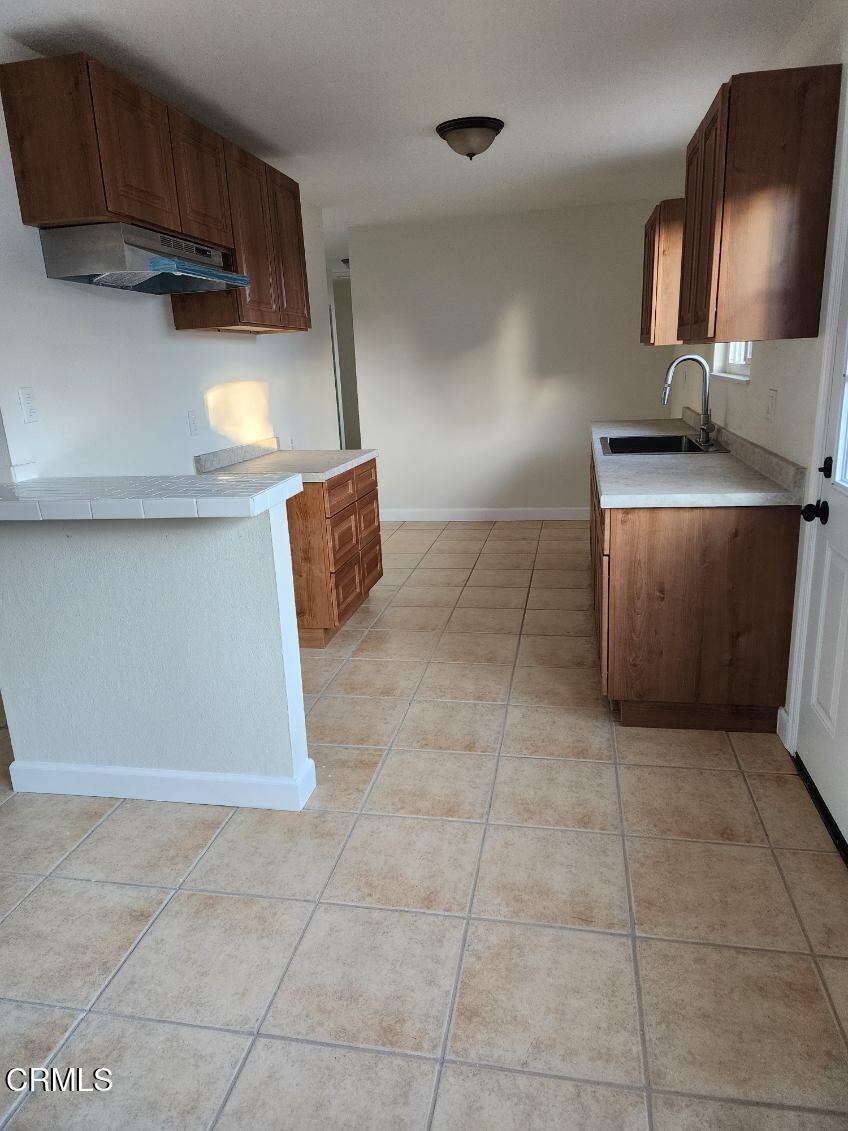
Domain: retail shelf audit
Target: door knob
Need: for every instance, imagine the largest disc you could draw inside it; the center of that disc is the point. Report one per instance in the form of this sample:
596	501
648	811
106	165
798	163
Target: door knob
818	510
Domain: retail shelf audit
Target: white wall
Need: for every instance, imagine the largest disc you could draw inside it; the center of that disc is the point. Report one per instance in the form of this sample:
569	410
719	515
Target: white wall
114	381
485	347
793	367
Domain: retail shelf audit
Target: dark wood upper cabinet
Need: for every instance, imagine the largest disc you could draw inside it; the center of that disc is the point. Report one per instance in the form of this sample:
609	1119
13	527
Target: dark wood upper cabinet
201	174
661	274
284	198
758	180
135	149
253	238
268	242
90	146
712	142
53	140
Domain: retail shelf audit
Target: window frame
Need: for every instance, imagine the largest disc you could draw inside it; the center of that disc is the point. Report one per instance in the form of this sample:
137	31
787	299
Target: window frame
725	365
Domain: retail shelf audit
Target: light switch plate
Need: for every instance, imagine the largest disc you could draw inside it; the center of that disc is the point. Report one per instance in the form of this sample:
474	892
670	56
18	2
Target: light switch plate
192	422
29	409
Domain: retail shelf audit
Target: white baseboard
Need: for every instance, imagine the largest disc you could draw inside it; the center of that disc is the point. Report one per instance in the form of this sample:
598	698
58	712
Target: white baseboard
253	791
784	729
483	514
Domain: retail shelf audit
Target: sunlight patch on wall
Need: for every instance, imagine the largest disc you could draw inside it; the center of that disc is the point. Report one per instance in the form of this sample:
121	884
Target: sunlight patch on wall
239	410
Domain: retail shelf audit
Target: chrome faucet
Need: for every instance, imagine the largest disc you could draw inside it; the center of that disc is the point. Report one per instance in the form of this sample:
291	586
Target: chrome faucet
707	427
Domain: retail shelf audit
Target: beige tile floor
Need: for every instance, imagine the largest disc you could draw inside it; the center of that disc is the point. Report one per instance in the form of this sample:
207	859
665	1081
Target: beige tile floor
499	910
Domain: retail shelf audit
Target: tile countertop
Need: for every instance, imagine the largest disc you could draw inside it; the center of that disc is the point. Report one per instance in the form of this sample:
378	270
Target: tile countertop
700	480
313	466
146	496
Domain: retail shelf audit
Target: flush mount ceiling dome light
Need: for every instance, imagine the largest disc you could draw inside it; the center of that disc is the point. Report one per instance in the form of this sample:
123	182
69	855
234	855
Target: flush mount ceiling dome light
470	136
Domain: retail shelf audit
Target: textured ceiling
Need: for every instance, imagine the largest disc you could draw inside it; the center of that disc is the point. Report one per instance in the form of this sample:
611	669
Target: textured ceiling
598	96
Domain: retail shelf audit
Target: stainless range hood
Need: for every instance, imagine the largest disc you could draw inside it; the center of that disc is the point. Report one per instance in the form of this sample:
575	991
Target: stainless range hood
129	258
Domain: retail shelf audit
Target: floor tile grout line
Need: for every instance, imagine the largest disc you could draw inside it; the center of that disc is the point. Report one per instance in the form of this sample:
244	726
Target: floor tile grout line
451	1011
451	1060
634	948
86	1010
825	989
181	886
50	873
309	919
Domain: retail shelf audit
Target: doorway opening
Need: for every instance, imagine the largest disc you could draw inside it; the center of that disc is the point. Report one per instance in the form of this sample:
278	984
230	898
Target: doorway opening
344	352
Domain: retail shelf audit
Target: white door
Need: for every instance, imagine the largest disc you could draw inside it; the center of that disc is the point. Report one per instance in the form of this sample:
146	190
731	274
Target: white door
823	717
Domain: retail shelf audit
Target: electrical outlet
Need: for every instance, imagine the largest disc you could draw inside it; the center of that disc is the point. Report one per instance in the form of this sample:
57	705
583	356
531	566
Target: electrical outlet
771	406
291	443
29	409
192	422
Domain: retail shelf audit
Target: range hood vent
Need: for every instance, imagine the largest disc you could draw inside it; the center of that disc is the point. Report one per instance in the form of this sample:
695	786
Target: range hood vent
129	258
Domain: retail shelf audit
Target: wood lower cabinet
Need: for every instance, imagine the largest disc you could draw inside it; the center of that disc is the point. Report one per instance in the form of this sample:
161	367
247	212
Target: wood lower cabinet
693	610
337	557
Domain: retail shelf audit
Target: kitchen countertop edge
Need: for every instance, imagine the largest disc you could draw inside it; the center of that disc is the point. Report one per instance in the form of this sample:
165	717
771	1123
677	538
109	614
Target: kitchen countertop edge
672	480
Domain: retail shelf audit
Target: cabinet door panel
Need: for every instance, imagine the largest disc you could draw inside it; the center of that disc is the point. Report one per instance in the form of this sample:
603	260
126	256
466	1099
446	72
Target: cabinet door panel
259	304
713	152
135	149
366	478
347	590
342	537
372	564
368	510
339	492
649	279
691	228
284	197
200	168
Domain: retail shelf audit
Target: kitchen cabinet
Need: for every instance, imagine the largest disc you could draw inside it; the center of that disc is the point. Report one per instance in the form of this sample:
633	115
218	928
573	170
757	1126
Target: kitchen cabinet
134	140
757	205
201	174
88	146
661	274
337	557
693	612
287	223
268	247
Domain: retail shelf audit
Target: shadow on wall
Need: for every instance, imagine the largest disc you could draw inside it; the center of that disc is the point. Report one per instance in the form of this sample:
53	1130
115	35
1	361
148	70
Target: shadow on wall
501	338
239	411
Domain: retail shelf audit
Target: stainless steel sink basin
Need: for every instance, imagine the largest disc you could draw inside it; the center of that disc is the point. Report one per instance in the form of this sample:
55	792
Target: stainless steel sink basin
654	445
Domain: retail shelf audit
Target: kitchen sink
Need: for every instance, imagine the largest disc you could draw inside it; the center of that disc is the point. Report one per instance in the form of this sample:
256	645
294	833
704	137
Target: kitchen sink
654	445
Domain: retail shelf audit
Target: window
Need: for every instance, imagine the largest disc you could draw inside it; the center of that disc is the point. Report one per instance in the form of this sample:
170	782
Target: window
733	359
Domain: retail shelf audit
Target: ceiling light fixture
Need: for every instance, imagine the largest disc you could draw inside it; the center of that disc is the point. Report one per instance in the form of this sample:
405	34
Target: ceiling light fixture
469	136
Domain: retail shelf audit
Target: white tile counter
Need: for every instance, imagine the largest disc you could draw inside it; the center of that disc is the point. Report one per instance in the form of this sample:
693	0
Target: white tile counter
719	479
218	495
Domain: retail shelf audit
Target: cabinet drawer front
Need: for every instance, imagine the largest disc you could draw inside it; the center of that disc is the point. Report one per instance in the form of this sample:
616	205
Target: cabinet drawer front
339	492
342	537
346	587
368	509
372	564
366	478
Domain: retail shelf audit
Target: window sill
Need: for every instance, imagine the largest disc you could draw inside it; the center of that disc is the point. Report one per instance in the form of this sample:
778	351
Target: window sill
742	378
